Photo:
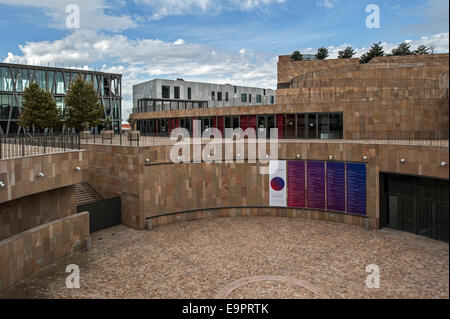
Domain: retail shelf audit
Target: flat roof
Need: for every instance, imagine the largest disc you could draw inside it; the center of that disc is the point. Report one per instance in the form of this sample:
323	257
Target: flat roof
54	68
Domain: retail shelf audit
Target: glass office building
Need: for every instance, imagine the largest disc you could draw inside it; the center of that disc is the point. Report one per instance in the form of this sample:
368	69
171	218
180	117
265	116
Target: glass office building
15	78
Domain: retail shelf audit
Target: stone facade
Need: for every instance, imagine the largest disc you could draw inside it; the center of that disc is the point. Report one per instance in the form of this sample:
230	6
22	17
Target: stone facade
27	252
20	174
31	211
388	98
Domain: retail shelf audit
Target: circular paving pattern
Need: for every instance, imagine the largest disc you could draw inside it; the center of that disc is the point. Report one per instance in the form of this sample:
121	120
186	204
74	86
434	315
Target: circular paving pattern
248	257
225	292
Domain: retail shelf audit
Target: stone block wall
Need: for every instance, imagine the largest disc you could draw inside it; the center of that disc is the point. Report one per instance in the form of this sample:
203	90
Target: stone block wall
27	252
21	214
20	174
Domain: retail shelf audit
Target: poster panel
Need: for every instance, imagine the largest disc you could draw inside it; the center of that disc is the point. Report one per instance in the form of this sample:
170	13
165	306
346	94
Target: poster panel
296	184
277	184
316	185
336	186
356	188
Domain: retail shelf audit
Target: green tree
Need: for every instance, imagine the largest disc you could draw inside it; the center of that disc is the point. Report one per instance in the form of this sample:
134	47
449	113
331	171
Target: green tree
347	53
40	110
82	105
422	49
375	50
322	53
296	56
402	49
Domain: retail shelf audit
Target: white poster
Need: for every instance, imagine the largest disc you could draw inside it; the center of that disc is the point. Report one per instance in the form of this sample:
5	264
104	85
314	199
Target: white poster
277	183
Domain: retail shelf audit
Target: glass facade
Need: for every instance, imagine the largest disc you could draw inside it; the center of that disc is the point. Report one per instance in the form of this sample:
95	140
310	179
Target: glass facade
289	126
14	79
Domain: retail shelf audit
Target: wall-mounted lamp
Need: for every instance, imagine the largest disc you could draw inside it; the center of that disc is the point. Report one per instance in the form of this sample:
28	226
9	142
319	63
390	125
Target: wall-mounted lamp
40	175
403	161
238	155
2	185
267	156
298	156
77	169
365	158
147	160
330	157
443	164
179	158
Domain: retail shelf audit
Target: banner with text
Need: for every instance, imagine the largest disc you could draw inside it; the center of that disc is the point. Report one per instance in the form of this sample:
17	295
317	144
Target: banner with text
277	183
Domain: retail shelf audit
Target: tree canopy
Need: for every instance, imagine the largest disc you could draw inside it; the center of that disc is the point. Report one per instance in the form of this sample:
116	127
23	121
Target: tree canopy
375	50
347	53
296	56
322	53
83	108
40	110
422	49
402	49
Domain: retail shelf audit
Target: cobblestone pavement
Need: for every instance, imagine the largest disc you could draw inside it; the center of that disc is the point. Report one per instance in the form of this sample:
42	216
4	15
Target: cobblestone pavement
199	259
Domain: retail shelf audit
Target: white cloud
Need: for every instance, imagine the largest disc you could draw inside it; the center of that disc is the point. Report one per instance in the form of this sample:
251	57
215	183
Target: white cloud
92	13
145	59
328	3
164	8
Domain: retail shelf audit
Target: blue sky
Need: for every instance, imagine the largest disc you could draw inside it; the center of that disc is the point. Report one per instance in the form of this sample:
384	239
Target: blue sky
228	41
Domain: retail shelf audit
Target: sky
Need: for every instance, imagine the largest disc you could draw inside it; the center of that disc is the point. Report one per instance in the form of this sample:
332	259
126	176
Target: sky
219	41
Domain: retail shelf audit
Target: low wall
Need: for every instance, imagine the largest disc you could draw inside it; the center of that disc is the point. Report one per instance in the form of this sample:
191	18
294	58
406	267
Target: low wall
266	211
36	248
20	174
21	214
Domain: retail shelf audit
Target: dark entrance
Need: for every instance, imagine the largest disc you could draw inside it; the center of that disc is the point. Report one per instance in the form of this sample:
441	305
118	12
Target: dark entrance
415	204
103	214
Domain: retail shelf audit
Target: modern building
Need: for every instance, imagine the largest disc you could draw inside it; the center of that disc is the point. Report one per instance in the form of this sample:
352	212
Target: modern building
14	78
378	130
159	95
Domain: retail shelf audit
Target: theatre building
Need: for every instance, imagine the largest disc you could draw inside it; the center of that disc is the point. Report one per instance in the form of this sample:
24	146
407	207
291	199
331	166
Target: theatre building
364	144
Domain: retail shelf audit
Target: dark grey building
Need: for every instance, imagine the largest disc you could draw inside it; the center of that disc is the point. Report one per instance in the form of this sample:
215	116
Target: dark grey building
14	78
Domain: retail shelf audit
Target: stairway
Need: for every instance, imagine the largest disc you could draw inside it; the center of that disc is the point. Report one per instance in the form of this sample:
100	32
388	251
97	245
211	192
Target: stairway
85	194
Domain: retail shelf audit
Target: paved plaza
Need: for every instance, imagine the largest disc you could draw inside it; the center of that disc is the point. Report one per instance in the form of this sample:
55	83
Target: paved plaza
248	257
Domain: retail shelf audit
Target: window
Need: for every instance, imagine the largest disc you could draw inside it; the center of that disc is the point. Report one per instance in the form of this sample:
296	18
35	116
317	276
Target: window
264	92
165	92
324	126
226	96
213	95
189	94
176	92
219	96
250	98
336	126
272	99
258	98
235	89
244	98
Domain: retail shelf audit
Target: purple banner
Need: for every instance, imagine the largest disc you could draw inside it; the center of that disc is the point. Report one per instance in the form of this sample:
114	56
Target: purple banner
296	184
356	188
316	185
336	186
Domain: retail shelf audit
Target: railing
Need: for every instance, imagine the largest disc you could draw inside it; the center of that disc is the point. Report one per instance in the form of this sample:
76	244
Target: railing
110	138
21	146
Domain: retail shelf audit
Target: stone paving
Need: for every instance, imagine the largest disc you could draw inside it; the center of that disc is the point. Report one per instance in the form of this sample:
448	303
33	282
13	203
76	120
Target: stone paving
248	257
